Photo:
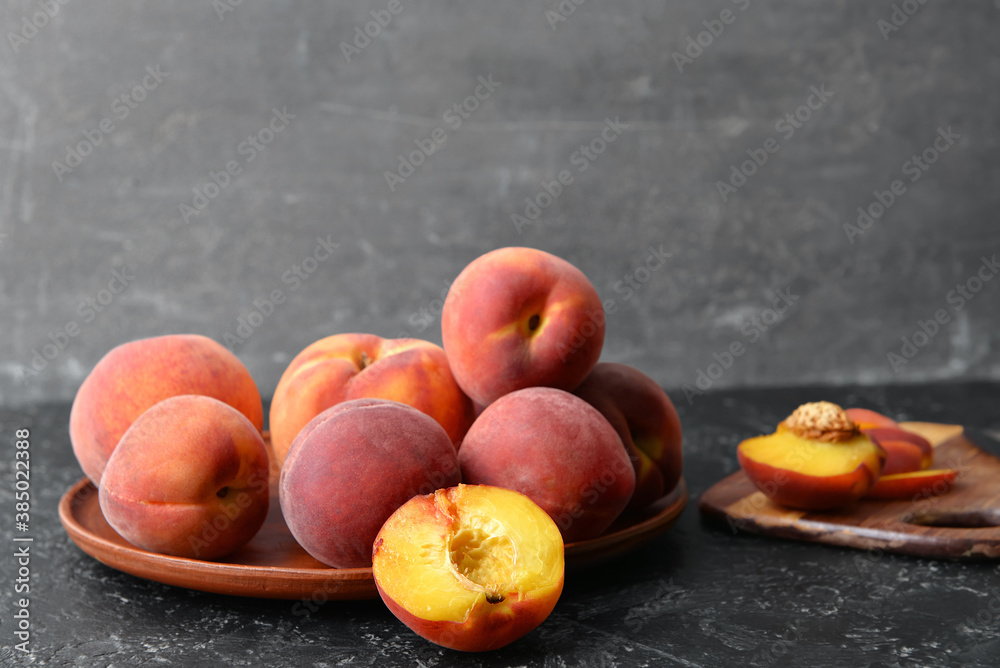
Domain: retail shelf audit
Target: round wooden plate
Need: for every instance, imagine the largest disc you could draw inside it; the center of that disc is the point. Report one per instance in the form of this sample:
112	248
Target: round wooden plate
273	565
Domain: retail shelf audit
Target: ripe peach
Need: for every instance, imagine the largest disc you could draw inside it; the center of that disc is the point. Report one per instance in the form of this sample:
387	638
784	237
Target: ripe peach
353	366
815	460
189	478
905	451
471	567
556	449
646	421
351	467
913	485
520	317
137	375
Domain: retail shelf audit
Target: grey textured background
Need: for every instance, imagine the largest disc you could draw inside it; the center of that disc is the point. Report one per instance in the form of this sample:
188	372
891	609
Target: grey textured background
323	176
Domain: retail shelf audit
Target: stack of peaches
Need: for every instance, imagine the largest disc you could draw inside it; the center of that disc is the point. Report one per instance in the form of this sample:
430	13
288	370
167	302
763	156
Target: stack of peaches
456	473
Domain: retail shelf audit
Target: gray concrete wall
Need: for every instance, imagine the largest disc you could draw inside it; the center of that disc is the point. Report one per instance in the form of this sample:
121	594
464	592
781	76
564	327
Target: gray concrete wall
170	93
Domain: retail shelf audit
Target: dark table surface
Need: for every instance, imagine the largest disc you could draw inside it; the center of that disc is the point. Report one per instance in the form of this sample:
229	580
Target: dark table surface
700	595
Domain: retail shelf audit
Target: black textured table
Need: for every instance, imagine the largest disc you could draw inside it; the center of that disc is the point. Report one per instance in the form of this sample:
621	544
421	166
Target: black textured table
697	596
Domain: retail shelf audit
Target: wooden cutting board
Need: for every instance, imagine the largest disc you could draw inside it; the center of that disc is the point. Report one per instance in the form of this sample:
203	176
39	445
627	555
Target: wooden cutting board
962	524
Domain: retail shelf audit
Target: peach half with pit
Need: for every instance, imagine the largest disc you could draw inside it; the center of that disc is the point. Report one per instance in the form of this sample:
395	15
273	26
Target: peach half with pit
189	479
472	567
815	460
351	467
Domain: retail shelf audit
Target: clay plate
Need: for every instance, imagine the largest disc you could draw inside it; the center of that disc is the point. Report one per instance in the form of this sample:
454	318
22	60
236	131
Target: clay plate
273	565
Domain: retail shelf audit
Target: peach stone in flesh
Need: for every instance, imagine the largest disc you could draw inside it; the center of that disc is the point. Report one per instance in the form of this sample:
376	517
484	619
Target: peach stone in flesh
815	460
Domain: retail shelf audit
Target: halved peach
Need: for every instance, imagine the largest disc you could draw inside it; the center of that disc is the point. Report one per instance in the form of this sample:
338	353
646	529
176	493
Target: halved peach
913	484
809	474
869	419
905	451
472	567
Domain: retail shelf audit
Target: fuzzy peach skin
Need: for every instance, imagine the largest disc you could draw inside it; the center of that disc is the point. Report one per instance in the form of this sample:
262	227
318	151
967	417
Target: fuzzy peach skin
812	475
351	467
520	317
905	451
137	375
646	421
557	450
189	479
471	567
353	366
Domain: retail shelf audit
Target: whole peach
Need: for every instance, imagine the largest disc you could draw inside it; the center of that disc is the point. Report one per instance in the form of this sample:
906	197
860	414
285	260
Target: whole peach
353	366
521	317
135	376
351	467
557	450
189	478
646	421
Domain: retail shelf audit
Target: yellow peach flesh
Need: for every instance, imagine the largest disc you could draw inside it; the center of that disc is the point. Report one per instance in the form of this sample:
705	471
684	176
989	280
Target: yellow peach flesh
786	450
468	555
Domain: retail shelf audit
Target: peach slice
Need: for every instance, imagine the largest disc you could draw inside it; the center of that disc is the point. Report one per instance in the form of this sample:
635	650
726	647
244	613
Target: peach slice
815	460
913	484
472	567
869	419
905	451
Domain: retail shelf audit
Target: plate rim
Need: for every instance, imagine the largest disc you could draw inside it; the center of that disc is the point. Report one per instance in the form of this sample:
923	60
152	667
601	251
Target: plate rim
301	583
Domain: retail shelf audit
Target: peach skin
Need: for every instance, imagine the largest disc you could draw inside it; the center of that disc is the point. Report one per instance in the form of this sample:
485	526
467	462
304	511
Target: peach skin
137	375
352	366
189	479
351	467
646	421
521	317
557	450
869	419
913	485
905	451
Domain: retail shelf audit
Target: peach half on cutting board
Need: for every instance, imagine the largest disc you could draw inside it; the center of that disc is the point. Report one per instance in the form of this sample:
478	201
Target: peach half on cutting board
816	459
